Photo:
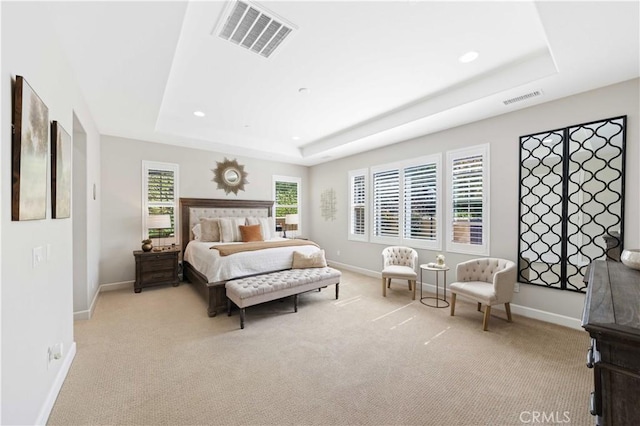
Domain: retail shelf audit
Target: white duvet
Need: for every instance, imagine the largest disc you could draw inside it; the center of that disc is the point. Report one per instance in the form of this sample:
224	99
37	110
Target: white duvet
223	268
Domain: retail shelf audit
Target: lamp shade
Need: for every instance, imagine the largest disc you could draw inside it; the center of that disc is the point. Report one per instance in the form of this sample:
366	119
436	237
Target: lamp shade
291	219
158	221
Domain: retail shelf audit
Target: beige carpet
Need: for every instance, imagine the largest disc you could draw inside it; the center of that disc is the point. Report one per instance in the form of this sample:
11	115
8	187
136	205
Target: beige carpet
156	358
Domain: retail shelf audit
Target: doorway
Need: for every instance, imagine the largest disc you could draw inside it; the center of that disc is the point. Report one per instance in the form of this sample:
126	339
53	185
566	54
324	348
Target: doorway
79	214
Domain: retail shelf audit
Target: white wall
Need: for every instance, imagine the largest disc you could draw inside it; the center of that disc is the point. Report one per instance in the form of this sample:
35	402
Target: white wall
502	133
122	192
37	304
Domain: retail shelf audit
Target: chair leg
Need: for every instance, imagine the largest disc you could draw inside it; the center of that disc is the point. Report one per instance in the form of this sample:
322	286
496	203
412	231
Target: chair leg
409	281
453	303
479	307
487	314
388	282
414	290
384	287
507	307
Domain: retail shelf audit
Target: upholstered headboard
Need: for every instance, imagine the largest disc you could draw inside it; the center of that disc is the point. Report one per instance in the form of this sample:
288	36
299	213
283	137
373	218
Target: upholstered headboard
192	209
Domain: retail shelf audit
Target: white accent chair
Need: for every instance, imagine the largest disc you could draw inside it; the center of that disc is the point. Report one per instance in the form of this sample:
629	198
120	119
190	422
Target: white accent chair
489	281
400	263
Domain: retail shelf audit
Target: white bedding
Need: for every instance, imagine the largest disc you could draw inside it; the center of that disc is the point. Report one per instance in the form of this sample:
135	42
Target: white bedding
222	268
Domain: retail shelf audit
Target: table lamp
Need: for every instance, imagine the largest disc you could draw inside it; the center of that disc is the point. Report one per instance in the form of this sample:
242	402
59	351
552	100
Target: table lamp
290	219
158	221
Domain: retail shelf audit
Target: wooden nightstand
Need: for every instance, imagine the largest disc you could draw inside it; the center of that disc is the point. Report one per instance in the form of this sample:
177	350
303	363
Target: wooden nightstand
156	268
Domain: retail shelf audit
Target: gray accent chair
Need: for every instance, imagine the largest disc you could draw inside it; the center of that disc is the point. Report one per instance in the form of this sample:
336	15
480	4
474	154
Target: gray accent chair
399	263
489	281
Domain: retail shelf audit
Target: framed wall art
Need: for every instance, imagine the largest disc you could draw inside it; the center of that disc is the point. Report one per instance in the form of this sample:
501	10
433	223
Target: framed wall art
328	204
60	172
30	152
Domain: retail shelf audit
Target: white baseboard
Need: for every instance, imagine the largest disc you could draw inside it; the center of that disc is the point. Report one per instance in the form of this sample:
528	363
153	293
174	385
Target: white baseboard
367	272
116	286
85	315
525	311
563	320
45	411
82	315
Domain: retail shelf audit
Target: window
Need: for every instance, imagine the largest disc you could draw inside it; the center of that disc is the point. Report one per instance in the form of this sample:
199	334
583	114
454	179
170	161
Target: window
386	204
406	203
160	196
358	186
286	192
421	218
468	200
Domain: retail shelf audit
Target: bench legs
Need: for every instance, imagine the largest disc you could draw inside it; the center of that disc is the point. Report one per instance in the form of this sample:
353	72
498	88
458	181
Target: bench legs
295	306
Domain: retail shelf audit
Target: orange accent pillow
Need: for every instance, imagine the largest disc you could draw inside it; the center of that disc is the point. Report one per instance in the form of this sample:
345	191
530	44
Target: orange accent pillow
251	233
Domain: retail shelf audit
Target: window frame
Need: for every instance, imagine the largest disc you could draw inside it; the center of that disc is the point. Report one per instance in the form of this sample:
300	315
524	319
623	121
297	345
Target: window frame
400	238
468	248
435	244
389	240
364	237
298	182
175	168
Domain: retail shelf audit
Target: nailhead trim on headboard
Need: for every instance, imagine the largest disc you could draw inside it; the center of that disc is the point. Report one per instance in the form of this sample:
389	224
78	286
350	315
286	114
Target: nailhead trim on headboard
192	209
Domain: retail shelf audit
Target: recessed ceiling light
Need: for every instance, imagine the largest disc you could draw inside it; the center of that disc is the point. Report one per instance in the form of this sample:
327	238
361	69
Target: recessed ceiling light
469	57
304	90
198	113
295	138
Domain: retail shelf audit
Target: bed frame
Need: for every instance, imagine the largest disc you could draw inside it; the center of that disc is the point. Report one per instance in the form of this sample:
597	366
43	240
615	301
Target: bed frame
213	293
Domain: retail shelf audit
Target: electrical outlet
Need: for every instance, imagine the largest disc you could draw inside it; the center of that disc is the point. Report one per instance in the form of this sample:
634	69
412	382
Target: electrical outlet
516	288
57	350
49	357
54	353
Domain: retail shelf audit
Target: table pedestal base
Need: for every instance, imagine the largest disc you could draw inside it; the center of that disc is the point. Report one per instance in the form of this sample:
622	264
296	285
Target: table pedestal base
434	302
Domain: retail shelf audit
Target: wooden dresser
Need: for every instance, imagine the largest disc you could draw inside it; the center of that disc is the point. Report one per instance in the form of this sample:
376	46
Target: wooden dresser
612	318
156	268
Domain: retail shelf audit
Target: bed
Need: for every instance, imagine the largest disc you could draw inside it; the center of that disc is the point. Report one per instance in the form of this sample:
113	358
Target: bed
207	270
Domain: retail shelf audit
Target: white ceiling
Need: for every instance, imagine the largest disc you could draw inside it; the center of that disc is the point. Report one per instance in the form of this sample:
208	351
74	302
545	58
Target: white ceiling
379	72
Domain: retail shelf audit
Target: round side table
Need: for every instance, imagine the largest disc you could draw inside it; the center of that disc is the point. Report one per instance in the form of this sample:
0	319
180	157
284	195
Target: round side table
435	302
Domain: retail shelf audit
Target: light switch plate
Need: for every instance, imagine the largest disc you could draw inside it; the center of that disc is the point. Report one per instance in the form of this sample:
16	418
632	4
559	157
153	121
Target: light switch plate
38	256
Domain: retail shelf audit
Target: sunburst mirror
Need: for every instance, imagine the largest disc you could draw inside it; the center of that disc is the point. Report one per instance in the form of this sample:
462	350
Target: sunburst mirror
230	176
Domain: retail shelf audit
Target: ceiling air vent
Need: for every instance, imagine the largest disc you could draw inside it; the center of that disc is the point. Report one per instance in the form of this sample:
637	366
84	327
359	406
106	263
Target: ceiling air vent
253	28
524	97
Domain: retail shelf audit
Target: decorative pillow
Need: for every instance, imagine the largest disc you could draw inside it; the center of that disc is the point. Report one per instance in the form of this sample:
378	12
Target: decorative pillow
313	260
230	229
209	229
197	232
251	233
266	224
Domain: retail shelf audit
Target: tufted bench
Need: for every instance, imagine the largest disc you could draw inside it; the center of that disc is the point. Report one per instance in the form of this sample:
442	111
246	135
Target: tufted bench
249	291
